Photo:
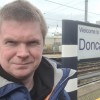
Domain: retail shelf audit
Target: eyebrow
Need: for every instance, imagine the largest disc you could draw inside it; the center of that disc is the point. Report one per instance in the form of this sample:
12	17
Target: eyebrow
14	39
10	39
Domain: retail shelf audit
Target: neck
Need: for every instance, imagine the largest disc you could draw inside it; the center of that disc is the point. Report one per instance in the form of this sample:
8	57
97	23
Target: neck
29	83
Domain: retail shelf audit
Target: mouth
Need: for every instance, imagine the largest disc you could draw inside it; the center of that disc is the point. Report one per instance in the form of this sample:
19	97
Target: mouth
22	63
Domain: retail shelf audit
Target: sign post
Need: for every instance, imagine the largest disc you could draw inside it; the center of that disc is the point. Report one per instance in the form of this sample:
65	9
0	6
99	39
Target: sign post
80	42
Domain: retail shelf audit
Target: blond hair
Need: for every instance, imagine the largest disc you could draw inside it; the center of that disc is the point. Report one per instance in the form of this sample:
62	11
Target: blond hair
23	11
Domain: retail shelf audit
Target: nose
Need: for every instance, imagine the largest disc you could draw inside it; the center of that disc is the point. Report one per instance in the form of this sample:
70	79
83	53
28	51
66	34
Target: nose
23	51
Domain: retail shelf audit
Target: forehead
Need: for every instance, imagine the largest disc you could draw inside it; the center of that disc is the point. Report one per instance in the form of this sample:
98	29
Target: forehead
20	30
8	25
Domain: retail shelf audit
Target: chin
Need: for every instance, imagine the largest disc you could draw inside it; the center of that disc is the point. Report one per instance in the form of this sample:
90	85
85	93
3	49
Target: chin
22	75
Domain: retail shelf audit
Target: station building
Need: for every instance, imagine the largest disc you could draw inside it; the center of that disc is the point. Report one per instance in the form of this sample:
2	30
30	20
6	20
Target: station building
53	44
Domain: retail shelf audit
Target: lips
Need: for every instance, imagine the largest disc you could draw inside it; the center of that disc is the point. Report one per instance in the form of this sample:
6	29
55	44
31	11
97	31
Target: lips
25	63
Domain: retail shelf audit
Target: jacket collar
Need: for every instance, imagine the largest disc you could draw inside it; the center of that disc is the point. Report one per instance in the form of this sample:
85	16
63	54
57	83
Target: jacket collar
43	78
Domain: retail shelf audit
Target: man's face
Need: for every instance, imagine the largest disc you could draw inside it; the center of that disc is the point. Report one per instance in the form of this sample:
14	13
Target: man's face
21	47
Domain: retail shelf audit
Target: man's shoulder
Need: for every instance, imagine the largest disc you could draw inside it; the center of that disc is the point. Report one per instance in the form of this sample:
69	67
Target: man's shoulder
51	61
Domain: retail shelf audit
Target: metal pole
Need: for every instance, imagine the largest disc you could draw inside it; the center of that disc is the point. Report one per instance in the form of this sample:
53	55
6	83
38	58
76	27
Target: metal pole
86	10
69	54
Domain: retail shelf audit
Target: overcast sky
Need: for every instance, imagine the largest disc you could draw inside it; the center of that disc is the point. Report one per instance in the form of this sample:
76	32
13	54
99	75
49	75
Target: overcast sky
56	10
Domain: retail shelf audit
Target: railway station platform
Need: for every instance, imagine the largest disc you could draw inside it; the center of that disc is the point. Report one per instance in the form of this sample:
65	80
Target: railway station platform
89	92
52	55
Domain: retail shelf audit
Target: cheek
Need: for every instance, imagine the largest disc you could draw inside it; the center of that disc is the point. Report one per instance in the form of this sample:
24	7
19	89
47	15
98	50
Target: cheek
6	54
37	53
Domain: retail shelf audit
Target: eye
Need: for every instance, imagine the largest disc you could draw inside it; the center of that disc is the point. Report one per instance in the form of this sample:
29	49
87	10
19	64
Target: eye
11	43
33	43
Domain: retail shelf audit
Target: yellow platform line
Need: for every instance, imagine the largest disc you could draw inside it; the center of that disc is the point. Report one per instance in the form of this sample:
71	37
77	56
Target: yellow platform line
98	99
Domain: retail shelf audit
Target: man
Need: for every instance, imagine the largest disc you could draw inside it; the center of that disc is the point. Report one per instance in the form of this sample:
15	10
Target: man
24	73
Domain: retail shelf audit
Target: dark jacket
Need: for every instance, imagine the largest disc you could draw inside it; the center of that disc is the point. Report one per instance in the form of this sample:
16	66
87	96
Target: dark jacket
49	83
